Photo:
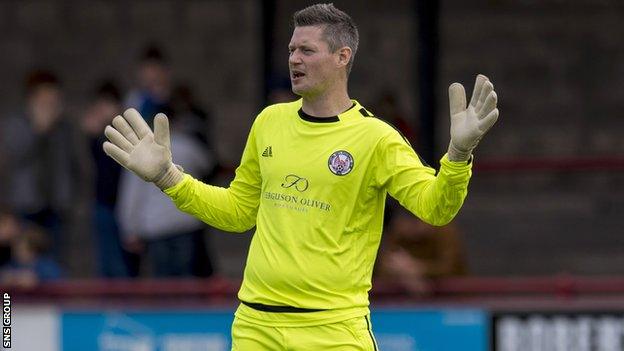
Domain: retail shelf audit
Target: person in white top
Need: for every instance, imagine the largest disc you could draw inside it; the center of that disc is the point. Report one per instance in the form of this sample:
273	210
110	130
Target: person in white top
164	235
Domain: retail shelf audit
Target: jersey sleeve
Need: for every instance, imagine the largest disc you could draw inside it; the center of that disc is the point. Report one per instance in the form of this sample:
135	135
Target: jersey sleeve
435	199
231	209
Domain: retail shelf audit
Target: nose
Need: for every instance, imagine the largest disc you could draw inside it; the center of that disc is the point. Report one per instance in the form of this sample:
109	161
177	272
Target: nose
294	57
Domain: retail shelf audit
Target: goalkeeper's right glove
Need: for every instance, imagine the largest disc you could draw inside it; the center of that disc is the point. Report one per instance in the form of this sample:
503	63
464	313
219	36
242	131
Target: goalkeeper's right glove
148	154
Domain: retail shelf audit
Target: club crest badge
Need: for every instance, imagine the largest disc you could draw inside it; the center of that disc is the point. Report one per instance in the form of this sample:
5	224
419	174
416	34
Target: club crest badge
340	163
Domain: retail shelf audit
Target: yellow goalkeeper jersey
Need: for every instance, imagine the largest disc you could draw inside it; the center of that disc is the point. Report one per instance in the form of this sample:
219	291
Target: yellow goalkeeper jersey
315	189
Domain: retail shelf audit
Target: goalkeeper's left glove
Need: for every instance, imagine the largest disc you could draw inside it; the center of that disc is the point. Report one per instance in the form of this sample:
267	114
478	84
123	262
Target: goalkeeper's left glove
469	124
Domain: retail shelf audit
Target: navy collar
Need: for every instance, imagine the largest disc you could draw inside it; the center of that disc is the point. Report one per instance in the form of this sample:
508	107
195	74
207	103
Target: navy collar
306	117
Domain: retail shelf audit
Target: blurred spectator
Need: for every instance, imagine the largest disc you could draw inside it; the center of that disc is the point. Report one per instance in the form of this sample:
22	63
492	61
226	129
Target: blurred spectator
112	259
29	264
193	120
190	117
280	90
415	252
173	242
153	92
9	228
42	163
387	108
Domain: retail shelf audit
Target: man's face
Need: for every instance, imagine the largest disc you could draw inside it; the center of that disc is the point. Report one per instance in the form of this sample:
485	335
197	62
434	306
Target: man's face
313	68
100	114
45	105
154	77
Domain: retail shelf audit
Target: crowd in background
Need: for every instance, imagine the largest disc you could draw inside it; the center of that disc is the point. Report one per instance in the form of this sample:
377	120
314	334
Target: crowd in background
52	163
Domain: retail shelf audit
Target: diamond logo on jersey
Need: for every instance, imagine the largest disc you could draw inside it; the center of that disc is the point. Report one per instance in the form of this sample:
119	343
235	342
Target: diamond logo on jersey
268	152
340	163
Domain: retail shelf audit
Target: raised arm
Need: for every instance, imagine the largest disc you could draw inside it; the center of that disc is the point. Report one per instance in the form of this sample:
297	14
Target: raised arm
148	154
436	199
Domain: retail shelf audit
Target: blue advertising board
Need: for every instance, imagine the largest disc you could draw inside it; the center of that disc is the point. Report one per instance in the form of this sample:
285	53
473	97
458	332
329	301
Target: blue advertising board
155	330
209	330
431	329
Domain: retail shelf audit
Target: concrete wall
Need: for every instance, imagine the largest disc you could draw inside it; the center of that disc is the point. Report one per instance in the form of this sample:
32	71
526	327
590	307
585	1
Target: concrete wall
557	66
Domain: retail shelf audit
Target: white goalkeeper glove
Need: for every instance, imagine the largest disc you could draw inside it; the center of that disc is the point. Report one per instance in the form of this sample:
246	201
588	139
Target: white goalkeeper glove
134	146
469	124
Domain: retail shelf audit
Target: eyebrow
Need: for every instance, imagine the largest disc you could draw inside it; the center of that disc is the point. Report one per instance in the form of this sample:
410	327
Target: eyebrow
304	45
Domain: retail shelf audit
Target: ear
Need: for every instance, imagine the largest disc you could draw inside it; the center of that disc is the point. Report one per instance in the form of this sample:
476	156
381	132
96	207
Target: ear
344	56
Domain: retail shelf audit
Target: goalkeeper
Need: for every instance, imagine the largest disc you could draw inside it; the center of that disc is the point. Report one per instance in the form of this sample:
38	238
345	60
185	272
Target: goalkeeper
313	180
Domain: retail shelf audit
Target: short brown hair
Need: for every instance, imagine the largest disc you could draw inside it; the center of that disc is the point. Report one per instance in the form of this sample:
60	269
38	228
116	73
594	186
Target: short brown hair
40	77
339	29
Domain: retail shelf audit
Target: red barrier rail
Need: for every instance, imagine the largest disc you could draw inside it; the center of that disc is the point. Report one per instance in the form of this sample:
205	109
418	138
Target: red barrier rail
560	286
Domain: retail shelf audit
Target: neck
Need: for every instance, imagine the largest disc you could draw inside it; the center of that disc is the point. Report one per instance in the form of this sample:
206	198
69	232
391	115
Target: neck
327	104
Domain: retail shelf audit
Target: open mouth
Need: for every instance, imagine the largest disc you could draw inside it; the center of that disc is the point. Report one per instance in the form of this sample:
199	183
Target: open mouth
297	74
